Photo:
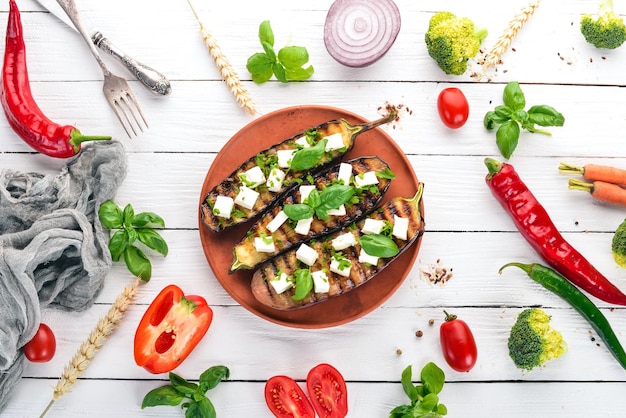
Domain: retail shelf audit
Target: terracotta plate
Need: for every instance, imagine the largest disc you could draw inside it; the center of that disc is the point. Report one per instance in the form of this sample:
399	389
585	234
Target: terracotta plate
264	132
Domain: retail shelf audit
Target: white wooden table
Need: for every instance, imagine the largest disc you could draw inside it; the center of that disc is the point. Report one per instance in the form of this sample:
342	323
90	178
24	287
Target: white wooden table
465	227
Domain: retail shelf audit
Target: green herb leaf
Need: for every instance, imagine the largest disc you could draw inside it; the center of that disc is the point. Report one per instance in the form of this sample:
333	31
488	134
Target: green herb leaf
182	385
293	57
202	408
299	74
279	72
111	215
513	96
269	51
265	33
307	158
164	395
298	211
138	263
148	219
304	283
260	78
152	240
129	215
314	200
259	63
378	245
211	377
429	403
544	115
433	378
386	174
336	195
407	383
118	244
507	137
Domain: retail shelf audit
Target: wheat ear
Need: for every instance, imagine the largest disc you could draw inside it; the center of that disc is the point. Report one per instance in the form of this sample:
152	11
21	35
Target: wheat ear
228	73
90	347
494	56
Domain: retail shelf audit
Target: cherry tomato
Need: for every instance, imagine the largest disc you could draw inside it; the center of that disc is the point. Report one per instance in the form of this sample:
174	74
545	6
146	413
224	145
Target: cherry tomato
453	107
286	399
42	347
458	344
328	392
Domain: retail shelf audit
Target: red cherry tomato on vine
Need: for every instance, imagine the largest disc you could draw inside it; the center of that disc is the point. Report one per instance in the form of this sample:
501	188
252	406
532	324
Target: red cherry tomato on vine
458	344
286	399
42	347
328	392
453	107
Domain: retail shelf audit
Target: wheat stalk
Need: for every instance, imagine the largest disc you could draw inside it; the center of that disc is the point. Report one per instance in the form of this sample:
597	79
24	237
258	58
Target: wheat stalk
228	73
494	56
90	347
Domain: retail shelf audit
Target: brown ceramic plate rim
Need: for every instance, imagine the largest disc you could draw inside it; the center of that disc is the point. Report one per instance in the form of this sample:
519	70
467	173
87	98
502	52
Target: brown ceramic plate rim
264	132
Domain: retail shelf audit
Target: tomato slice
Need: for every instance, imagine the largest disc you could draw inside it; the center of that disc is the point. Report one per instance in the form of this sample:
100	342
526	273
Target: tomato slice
42	346
286	399
170	329
328	391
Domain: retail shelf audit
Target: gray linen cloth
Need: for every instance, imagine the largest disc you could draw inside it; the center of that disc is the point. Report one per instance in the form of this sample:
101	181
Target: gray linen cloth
53	248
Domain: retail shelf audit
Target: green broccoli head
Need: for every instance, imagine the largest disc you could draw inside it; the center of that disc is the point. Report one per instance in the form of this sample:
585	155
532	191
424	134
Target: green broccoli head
452	40
618	245
532	341
605	30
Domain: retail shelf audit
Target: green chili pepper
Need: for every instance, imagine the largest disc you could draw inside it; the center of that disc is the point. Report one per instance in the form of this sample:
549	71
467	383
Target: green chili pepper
553	281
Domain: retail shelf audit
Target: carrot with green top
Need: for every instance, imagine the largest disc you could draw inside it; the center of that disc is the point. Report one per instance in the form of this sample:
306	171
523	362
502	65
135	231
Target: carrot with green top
601	190
596	172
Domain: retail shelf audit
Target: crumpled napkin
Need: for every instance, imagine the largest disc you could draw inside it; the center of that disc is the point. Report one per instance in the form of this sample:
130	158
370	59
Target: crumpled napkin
53	248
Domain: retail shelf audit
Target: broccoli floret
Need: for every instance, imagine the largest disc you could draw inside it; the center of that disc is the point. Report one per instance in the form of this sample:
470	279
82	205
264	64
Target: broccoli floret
532	341
618	245
604	30
452	40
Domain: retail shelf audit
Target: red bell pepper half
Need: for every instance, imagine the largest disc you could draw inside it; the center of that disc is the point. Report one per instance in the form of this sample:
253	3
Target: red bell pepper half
170	329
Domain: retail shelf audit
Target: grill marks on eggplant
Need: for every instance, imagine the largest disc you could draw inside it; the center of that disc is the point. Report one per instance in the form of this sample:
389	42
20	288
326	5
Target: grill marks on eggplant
230	185
245	254
359	273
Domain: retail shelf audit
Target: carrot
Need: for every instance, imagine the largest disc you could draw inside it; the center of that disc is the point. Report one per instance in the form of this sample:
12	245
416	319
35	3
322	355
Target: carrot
601	190
595	172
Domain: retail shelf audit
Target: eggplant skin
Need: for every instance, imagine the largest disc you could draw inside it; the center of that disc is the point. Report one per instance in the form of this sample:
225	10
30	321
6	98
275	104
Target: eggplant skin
264	292
245	256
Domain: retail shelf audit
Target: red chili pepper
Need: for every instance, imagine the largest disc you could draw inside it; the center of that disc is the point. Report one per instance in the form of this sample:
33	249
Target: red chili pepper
532	220
170	329
23	114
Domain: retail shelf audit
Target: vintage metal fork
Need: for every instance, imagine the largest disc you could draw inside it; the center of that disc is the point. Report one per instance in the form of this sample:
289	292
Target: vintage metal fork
116	89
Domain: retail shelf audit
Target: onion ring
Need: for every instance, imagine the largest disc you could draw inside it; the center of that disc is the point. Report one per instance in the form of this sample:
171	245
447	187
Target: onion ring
358	33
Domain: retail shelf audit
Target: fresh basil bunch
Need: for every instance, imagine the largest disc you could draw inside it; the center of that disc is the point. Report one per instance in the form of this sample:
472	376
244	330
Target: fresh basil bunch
319	203
287	65
179	389
512	118
424	398
131	227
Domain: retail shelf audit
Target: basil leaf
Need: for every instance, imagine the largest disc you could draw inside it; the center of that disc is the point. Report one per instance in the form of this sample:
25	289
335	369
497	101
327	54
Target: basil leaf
407	383
314	200
429	402
279	72
299	74
433	378
148	218
213	376
117	244
293	57
182	385
513	96
378	245
507	137
259	63
402	411
153	240
138	263
265	33
131	234
298	211
307	158
544	115
503	112
110	215
203	408
269	51
336	195
520	116
164	395
263	77
129	215
304	283
321	213
386	174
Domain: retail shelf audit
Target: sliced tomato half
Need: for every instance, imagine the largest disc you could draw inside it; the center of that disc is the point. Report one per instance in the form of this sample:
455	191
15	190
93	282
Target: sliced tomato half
328	392
286	399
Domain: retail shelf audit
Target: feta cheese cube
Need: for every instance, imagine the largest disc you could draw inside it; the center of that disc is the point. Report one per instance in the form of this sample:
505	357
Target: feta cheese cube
223	206
320	282
277	222
334	267
366	179
284	157
307	255
302	141
252	177
335	142
275	180
365	258
345	172
344	241
340	211
281	283
264	245
373	226
305	191
303	226
246	198
400	227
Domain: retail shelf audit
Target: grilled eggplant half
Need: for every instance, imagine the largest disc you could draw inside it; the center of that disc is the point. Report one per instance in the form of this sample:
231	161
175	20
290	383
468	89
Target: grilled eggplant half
339	262
342	194
261	180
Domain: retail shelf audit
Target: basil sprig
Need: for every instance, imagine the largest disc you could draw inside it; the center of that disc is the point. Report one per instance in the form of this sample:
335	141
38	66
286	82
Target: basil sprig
319	203
131	227
379	245
512	118
307	158
179	389
304	283
424	397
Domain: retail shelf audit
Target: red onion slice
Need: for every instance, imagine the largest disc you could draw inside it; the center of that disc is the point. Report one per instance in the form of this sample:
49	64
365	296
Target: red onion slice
358	33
